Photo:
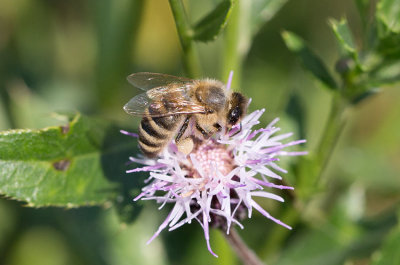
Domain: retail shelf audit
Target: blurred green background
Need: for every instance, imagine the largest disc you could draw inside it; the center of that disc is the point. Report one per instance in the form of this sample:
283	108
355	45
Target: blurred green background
75	55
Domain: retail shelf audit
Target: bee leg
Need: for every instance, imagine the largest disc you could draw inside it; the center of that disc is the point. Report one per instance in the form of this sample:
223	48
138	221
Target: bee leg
218	127
185	145
182	129
205	134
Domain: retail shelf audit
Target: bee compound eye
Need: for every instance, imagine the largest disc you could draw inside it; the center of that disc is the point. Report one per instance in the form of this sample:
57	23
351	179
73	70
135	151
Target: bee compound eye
234	115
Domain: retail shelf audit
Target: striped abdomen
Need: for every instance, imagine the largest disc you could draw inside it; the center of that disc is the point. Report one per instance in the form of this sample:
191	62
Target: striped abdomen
156	132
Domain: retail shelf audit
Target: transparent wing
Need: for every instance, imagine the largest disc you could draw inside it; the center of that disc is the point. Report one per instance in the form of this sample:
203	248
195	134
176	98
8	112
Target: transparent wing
146	81
163	101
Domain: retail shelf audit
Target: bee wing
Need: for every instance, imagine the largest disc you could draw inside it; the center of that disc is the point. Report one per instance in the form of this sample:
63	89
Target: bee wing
146	81
163	101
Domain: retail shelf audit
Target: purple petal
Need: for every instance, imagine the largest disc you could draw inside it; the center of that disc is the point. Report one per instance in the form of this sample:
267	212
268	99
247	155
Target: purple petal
280	137
281	146
267	195
140	196
272	123
207	235
261	161
234	130
276	167
266	214
271	185
254	133
162	226
129	133
229	83
147	168
293	153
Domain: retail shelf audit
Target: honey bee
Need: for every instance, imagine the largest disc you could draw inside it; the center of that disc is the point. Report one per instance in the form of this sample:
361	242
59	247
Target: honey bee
181	108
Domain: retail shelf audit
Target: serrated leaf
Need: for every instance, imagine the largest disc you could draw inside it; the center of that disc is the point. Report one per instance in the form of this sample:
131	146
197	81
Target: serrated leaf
212	24
309	59
78	164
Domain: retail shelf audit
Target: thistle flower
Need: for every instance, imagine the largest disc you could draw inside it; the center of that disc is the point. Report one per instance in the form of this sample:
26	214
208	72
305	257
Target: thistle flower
217	182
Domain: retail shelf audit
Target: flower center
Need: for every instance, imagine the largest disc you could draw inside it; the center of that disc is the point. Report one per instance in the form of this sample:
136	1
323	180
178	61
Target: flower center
211	156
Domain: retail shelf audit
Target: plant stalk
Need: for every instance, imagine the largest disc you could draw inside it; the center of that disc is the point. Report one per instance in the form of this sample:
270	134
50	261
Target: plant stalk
190	57
232	58
333	128
246	255
117	26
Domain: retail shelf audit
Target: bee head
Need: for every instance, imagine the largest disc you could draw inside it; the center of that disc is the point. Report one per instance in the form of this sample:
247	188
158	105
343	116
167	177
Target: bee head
237	109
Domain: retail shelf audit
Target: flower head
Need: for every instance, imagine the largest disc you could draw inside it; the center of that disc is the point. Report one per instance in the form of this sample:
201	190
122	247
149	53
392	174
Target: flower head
217	182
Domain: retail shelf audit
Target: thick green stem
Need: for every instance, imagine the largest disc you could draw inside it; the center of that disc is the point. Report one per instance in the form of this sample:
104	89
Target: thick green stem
333	128
247	256
191	60
117	26
232	57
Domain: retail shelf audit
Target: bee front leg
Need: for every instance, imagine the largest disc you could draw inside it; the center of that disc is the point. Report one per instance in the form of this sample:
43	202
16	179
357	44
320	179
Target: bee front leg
217	127
205	134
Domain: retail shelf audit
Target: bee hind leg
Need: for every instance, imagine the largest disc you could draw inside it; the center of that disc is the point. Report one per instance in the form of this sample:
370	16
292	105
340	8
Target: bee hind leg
185	145
182	129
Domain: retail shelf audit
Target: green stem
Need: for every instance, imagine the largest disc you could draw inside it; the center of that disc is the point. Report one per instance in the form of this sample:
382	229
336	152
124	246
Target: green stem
117	27
191	60
247	256
232	57
333	128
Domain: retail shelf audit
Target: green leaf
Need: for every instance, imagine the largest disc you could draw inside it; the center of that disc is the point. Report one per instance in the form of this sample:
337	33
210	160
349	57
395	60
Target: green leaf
389	46
388	14
262	11
388	26
212	24
309	59
365	95
345	41
389	253
363	6
78	164
388	73
296	110
343	35
337	240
